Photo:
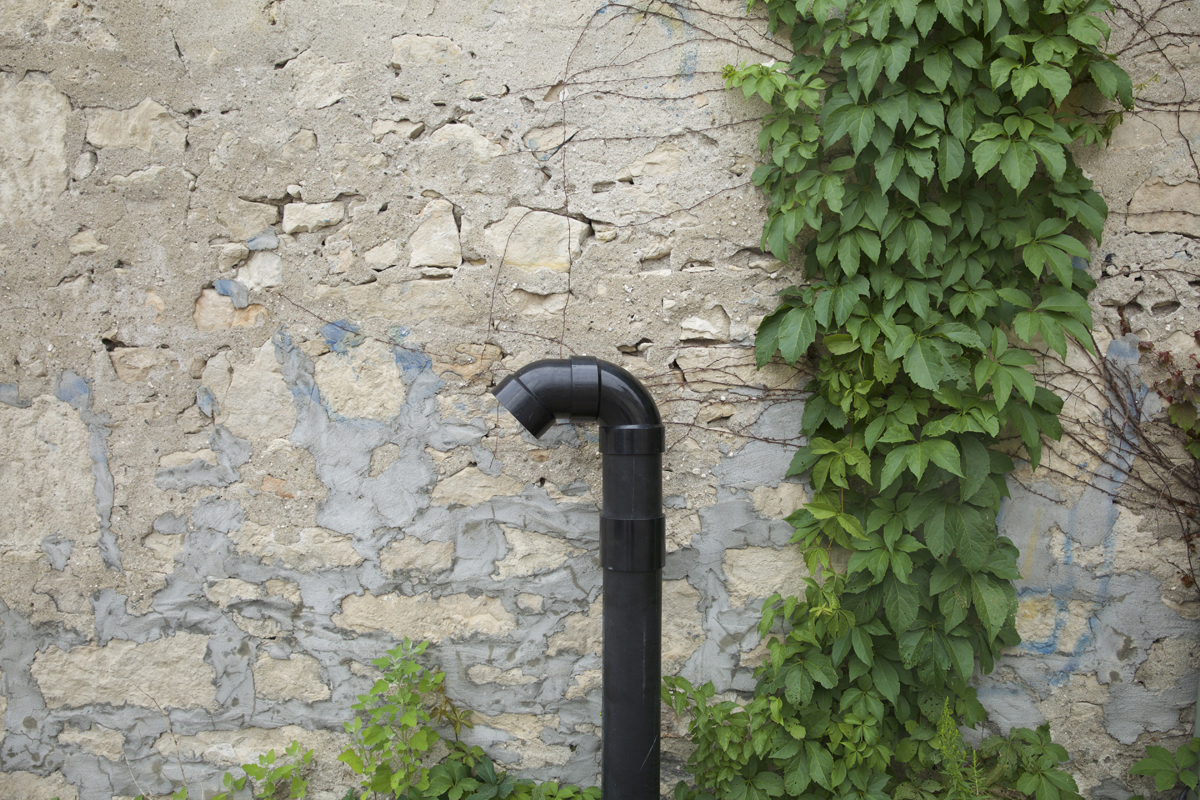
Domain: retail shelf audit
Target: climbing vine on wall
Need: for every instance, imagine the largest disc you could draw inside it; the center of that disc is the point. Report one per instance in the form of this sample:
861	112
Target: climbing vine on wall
918	153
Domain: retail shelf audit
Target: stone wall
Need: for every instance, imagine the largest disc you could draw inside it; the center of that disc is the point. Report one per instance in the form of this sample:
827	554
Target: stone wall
260	263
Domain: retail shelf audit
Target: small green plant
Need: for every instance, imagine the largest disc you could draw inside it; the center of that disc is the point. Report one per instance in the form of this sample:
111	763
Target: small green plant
1181	392
394	731
394	735
962	773
1025	761
272	778
1170	769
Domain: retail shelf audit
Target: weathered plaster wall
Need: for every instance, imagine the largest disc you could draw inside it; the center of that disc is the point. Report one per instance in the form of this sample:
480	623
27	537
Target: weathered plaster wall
260	263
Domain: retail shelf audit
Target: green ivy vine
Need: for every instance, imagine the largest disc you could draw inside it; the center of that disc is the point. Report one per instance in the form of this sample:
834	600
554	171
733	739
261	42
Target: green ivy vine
919	153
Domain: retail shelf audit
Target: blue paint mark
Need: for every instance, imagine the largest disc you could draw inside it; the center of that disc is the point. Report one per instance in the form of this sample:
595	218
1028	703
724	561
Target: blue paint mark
397	333
342	335
411	360
687	63
10	395
234	290
73	389
206	402
1093	511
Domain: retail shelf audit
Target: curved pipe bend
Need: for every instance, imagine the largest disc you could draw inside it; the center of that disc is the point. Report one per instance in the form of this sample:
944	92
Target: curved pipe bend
579	389
632	549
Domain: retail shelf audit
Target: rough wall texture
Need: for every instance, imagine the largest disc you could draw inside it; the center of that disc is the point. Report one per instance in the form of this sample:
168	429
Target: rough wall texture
260	263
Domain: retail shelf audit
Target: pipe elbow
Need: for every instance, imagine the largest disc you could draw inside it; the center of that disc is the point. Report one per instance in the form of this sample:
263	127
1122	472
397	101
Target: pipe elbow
623	399
579	389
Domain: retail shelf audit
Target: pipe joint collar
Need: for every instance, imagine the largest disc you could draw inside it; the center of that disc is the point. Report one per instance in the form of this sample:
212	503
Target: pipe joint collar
632	440
633	545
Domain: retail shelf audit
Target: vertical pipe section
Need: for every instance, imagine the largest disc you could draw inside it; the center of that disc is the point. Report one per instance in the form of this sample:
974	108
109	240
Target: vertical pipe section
632	552
632	548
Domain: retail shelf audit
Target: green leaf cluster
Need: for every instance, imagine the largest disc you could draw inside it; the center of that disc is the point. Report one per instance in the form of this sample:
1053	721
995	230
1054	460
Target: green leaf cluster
272	777
918	153
394	733
1170	769
1180	389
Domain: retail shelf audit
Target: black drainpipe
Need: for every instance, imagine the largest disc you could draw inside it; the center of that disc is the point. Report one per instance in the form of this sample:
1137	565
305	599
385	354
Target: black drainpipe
632	548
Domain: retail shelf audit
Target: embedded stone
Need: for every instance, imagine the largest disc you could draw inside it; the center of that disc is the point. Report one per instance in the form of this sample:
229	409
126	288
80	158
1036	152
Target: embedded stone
1159	207
710	369
403	128
134	364
278	487
100	741
258	405
364	381
264	270
410	302
683	632
410	553
469	360
382	256
459	135
715	411
126	673
524	735
486	673
469	487
85	243
139	177
303	143
662	160
712	326
230	255
584	683
144	126
1168	663
455	616
28	786
263	240
435	241
85	165
581	633
243	218
545	142
227	591
46	472
320	82
302	217
33	129
284	590
1154	128
234	748
530	602
297	677
426	300
303	550
682	528
1036	618
531	553
412	48
779	501
531	304
759	572
537	239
